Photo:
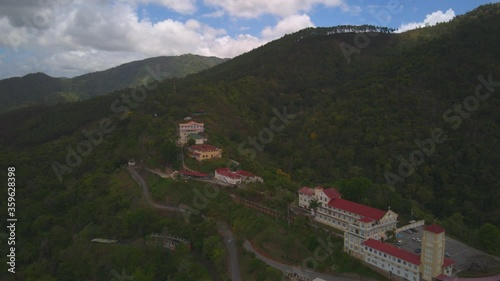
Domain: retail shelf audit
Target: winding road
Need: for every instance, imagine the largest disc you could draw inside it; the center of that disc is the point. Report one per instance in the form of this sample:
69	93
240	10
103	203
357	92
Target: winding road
227	235
229	241
310	274
145	188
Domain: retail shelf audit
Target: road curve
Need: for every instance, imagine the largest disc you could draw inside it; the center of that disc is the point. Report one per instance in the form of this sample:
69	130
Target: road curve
145	189
294	269
227	235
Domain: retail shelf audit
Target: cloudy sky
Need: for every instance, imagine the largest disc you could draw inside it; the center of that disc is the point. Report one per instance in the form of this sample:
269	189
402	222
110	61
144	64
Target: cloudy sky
72	37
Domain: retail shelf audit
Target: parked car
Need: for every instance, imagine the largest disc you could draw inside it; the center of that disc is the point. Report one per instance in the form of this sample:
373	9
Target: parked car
418	240
399	242
418	250
414	239
409	231
414	229
446	254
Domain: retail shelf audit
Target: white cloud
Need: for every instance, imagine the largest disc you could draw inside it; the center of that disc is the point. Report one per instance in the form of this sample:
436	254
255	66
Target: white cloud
83	37
256	8
430	20
179	6
216	14
353	10
287	25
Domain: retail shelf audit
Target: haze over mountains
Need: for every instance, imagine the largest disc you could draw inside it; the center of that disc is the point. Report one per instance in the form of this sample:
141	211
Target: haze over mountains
39	88
408	120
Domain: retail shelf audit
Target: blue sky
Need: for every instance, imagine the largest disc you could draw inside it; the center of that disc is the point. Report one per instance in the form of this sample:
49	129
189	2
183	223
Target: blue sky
72	37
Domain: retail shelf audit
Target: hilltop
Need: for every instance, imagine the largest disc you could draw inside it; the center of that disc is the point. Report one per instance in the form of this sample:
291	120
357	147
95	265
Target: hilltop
39	88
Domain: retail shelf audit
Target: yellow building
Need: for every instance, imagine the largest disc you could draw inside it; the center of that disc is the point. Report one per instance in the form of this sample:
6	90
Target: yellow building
204	151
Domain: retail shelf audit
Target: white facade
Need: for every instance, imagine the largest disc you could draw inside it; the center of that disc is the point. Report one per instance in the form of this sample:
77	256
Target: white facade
395	265
189	128
339	213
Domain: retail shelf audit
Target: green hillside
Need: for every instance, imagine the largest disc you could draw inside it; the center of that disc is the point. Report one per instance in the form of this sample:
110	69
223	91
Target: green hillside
39	88
405	120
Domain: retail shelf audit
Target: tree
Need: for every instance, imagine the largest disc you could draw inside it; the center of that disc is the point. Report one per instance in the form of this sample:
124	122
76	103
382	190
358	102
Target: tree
191	142
314	205
489	238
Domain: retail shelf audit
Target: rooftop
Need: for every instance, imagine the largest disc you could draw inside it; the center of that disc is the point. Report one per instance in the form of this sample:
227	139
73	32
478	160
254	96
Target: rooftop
448	262
332	193
192	174
203	147
434	228
393	251
359	209
190	123
227	173
195	136
307	191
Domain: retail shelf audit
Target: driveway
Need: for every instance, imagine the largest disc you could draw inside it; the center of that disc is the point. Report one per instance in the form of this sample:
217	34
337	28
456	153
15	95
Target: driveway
310	274
234	266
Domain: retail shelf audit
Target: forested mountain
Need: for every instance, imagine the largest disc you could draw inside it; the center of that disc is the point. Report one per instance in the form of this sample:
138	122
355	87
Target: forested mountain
39	88
408	120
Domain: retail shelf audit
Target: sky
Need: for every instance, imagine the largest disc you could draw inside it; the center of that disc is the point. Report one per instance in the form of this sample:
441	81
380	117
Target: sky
66	38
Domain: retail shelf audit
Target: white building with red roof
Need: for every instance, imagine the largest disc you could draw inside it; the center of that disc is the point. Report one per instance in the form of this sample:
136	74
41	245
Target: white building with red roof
409	266
240	176
186	129
340	213
364	227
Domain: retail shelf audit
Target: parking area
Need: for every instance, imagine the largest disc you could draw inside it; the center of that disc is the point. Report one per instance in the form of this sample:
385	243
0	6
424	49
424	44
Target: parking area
467	258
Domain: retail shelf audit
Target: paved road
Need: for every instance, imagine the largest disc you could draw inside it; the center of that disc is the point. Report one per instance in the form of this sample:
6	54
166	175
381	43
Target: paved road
227	235
294	269
145	188
234	266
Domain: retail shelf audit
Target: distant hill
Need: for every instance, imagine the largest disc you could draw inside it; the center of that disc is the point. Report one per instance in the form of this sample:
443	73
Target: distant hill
39	88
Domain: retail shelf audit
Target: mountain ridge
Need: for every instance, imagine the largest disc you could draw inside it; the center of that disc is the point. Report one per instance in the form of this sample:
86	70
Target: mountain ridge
40	88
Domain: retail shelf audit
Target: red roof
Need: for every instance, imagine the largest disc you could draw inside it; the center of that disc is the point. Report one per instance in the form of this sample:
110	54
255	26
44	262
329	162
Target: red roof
365	219
203	147
393	251
193	174
190	123
307	191
448	262
356	208
434	228
332	193
227	173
